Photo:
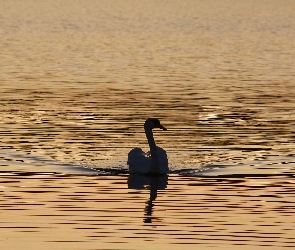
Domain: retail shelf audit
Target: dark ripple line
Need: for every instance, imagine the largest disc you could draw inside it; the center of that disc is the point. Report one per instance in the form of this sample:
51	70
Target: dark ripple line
124	172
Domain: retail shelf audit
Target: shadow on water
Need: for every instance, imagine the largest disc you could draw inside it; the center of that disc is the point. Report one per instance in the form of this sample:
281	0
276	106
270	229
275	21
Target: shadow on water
153	183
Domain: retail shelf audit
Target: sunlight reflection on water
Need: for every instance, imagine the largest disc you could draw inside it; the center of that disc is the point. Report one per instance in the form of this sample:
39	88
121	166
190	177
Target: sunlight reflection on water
78	212
77	83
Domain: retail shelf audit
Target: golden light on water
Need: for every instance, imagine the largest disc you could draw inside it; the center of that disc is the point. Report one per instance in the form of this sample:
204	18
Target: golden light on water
79	78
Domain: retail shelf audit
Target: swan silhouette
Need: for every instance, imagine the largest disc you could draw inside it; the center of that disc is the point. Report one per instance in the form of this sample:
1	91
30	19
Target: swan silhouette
153	162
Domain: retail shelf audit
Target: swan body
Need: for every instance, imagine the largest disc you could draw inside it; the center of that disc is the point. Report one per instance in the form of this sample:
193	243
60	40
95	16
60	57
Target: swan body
154	161
140	162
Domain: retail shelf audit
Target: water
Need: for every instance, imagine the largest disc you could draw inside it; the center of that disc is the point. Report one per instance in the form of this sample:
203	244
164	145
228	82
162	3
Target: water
79	212
79	78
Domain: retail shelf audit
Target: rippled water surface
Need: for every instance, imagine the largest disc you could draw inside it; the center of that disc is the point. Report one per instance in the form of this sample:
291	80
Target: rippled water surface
79	78
79	212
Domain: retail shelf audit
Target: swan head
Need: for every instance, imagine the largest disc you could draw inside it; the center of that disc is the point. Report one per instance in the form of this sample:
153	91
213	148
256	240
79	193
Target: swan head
152	123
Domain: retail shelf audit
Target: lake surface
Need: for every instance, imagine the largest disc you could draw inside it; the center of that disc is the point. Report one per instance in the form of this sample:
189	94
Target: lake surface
79	78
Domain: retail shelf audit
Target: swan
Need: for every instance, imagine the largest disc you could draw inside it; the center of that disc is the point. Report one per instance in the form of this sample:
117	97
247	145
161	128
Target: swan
153	162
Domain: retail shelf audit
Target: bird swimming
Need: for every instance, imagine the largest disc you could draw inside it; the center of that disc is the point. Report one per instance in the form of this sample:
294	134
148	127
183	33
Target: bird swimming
153	162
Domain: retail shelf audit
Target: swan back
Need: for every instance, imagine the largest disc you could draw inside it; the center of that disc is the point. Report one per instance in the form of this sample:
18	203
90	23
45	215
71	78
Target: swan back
140	162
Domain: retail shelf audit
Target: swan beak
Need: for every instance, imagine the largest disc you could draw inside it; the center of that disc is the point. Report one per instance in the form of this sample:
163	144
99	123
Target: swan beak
162	127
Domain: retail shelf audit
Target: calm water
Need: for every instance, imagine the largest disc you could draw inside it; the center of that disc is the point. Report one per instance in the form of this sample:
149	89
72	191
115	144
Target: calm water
79	78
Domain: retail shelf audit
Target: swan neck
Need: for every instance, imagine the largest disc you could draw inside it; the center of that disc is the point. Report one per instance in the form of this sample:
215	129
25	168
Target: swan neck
151	140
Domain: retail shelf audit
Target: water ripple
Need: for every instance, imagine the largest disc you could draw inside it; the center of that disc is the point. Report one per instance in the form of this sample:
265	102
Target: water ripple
78	81
208	212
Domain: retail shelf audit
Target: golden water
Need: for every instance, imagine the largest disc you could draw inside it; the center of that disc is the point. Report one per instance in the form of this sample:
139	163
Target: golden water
79	212
79	78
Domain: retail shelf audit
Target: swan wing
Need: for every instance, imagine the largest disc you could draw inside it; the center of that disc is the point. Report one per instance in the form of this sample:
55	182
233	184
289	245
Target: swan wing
138	161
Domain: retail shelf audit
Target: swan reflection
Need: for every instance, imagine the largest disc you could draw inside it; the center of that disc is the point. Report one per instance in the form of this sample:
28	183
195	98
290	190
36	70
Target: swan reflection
151	182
